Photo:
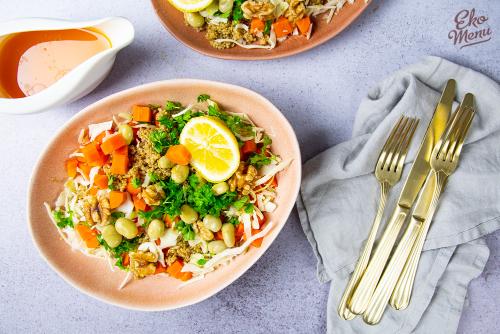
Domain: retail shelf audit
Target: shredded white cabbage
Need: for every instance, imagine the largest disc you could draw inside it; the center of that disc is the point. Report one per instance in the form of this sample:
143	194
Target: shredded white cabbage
125	280
93	172
76	154
241	26
273	171
127	207
280	7
245	46
169	239
226	254
147	180
96	129
183	111
247	224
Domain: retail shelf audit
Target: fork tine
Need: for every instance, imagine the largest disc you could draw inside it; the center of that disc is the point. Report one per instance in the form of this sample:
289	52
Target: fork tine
406	145
463	134
445	139
455	133
395	141
388	142
401	144
395	148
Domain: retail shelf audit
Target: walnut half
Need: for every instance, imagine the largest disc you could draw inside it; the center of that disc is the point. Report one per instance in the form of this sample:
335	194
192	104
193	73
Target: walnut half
264	10
142	264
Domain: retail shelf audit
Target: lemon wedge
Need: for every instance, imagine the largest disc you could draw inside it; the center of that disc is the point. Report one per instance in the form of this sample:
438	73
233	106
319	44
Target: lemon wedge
214	150
190	6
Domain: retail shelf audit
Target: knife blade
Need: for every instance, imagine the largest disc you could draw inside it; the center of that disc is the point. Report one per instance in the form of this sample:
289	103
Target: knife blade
418	173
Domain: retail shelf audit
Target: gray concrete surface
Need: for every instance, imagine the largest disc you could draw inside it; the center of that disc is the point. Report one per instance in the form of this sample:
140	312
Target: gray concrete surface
318	91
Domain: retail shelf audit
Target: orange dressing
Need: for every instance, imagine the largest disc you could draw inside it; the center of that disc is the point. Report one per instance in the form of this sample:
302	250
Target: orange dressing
32	61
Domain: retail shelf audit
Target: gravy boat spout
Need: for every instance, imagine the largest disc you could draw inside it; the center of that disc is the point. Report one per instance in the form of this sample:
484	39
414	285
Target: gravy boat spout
82	79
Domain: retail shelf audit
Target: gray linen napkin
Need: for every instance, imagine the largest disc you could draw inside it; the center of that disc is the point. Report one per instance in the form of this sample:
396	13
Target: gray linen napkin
339	194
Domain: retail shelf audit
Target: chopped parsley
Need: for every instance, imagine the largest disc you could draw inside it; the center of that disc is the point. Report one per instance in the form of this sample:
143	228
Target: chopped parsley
237	11
235	123
111	181
136	182
153	178
159	140
115	215
233	220
186	230
261	159
203	97
204	201
174	126
249	208
267	27
125	247
240	203
197	194
61	220
172	106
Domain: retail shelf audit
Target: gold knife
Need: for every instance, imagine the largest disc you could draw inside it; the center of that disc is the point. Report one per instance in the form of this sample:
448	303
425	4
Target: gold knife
418	173
423	214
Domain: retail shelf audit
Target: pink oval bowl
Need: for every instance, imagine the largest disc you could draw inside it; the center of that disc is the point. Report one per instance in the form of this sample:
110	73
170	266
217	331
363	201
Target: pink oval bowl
93	276
173	20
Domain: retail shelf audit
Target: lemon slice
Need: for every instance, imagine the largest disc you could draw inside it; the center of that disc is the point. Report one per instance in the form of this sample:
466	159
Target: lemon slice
214	150
190	6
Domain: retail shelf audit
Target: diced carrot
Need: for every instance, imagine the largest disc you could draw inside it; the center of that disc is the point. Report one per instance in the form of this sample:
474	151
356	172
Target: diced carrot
175	268
160	269
169	221
257	242
303	25
88	235
85	168
93	155
101	181
93	191
282	27
113	143
119	164
179	154
218	235
240	231
141	114
80	159
132	189
116	198
71	165
92	243
248	147
256	25
125	259
185	276
100	137
122	151
274	182
158	241
139	203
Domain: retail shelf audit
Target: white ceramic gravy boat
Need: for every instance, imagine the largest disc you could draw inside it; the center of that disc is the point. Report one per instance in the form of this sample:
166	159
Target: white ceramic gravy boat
83	78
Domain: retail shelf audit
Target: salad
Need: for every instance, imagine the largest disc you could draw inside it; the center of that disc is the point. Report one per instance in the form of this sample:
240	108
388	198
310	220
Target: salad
255	24
169	190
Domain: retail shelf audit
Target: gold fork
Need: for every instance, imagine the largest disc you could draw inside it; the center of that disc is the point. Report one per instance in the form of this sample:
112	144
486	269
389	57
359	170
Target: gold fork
444	161
388	172
402	292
